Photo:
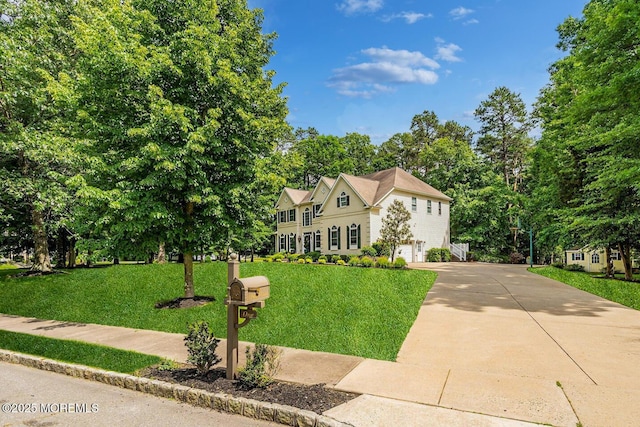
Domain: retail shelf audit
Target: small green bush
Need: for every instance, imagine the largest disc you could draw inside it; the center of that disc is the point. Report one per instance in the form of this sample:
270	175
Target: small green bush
445	253
434	255
366	261
322	261
313	255
293	257
354	261
262	365
322	258
574	267
309	260
345	258
399	263
558	265
277	257
340	262
382	248
383	262
301	261
335	259
368	251
201	346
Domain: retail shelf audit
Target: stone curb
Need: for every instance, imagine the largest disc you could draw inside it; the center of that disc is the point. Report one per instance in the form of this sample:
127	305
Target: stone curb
282	414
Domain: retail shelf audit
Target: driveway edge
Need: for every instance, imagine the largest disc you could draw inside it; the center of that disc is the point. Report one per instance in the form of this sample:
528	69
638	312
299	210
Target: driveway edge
281	414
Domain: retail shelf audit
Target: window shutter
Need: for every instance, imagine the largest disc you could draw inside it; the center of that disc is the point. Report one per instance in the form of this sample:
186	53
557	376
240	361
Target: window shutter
338	202
347	200
328	239
338	238
358	237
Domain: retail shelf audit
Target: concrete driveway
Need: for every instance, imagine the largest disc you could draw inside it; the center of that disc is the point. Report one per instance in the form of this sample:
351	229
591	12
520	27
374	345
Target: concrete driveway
498	340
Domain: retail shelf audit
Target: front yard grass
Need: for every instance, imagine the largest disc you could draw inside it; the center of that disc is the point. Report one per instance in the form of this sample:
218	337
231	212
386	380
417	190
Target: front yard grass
357	311
625	293
97	356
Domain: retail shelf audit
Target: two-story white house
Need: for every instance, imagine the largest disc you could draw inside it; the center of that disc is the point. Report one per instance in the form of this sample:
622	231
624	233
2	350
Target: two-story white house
340	216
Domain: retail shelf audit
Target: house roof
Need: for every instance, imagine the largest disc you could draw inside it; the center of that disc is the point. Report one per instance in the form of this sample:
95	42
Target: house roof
298	196
398	179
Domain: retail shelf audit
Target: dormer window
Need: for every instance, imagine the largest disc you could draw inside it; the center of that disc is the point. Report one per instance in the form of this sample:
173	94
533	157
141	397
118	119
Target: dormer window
306	217
343	200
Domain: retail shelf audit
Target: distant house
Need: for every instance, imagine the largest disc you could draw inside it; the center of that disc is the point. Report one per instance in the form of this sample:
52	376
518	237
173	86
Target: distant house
340	216
593	260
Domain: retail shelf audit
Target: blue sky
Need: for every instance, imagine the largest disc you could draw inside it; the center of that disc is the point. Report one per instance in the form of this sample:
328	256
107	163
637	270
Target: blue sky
369	66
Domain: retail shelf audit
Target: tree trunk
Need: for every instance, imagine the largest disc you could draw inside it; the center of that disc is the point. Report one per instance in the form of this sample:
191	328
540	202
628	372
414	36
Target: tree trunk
252	252
609	268
162	255
72	253
625	252
42	262
189	291
61	249
88	262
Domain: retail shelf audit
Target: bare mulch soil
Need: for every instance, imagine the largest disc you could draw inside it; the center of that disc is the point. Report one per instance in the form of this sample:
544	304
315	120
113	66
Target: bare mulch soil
314	398
185	302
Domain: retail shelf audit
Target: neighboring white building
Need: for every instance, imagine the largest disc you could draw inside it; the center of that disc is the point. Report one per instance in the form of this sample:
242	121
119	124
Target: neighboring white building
340	216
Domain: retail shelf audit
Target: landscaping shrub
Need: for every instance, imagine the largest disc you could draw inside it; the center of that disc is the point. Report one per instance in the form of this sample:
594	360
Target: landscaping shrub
400	263
201	346
382	249
322	261
301	261
366	261
445	253
574	267
278	257
354	261
293	257
322	258
340	262
268	259
315	255
558	265
309	260
345	258
434	255
262	365
335	259
368	251
383	262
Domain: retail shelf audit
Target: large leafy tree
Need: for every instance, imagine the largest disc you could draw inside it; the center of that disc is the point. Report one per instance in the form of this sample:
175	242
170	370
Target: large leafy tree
176	100
36	156
590	119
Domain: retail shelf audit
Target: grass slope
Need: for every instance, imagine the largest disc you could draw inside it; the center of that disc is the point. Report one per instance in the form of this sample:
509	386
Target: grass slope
356	311
625	293
97	356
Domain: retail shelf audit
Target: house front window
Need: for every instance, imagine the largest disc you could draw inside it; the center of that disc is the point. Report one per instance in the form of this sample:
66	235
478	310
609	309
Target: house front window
316	209
282	216
283	243
343	200
595	259
306	218
429	207
577	256
615	256
414	204
318	241
334	234
292	215
354	237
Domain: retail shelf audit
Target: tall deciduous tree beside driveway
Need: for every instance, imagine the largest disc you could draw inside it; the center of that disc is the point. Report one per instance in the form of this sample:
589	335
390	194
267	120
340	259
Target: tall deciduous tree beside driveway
395	226
179	106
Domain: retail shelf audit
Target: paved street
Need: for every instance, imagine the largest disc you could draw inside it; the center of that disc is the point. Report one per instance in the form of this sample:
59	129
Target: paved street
31	397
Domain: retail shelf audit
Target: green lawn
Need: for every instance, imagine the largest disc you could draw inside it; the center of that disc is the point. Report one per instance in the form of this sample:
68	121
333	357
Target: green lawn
97	356
625	293
356	311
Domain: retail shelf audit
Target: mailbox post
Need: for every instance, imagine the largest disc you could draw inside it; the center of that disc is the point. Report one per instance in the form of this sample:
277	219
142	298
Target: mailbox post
243	297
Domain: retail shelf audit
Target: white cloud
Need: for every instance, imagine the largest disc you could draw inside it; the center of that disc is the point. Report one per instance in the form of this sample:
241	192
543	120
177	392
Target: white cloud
387	67
471	22
349	7
447	51
460	12
410	17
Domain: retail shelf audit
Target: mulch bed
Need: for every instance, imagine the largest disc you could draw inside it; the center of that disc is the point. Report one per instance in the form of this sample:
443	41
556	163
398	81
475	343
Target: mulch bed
314	398
185	302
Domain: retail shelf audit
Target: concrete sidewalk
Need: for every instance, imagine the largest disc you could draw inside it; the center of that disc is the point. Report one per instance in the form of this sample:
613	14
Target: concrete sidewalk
489	347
